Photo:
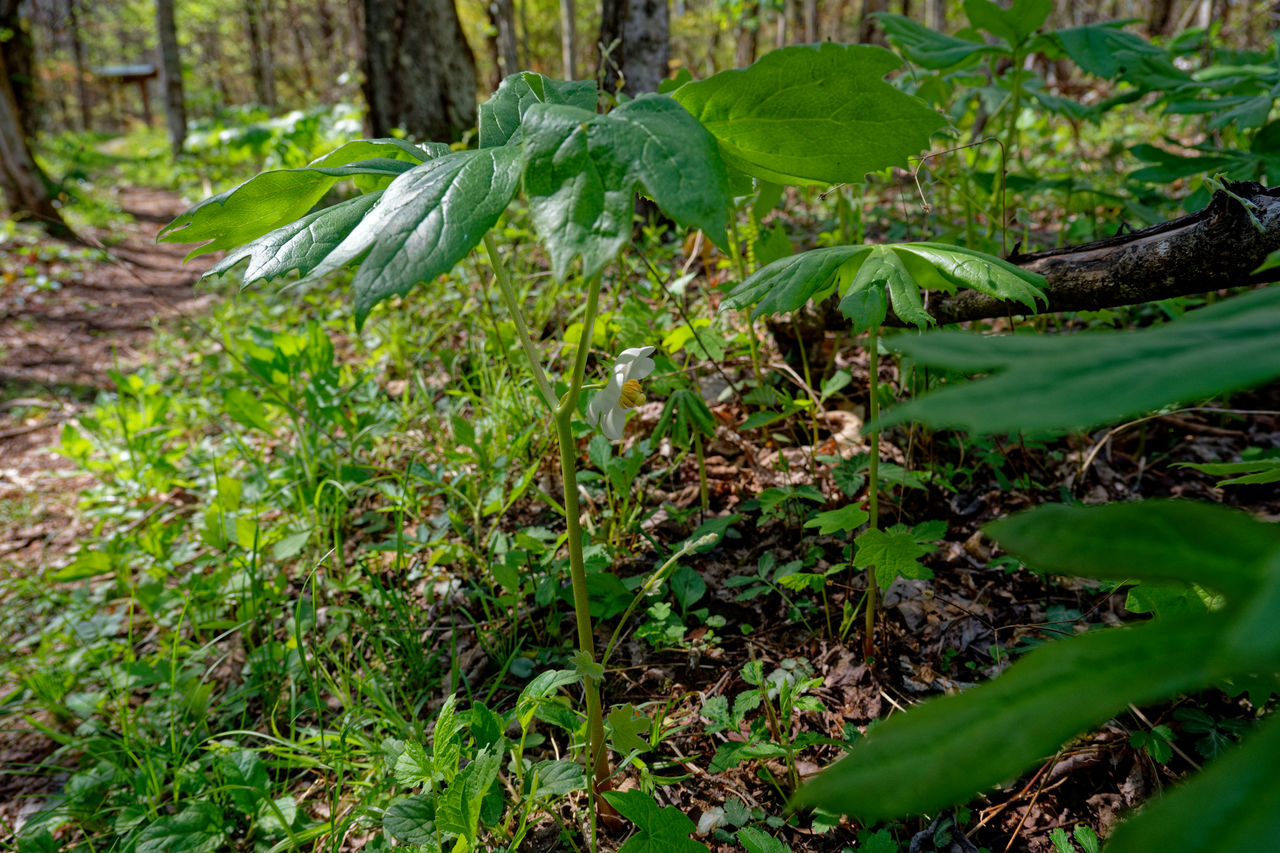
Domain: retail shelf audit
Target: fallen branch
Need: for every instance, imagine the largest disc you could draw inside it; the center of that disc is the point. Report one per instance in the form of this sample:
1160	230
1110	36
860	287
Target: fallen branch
1216	248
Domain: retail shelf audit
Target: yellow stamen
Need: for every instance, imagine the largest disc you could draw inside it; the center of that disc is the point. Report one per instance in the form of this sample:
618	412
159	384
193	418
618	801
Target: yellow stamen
632	396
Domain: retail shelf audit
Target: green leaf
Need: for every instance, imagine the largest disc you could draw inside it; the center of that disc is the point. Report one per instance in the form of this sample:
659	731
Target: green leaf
195	829
301	245
945	750
786	285
1228	806
929	48
501	115
1014	24
1151	540
812	114
245	778
902	268
1040	384
582	170
247	410
1253	472
264	203
458	810
659	829
894	554
446	744
843	520
555	778
413	767
427	220
756	840
1102	49
412	820
629	728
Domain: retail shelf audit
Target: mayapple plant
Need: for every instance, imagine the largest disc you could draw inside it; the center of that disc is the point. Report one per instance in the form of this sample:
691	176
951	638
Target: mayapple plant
819	114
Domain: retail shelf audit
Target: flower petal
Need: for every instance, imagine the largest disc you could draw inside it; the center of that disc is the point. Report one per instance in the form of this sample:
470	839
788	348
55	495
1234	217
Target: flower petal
613	423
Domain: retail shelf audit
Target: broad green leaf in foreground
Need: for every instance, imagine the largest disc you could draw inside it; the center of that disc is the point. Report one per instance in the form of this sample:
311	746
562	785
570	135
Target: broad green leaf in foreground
1231	805
426	221
1149	540
901	269
944	751
582	171
301	245
272	199
663	829
1041	384
501	115
812	114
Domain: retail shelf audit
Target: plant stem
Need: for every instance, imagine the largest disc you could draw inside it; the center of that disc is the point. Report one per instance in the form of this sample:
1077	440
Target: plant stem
522	328
873	487
597	762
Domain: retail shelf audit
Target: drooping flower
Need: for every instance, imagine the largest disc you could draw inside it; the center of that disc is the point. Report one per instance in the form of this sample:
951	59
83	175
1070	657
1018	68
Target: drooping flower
609	408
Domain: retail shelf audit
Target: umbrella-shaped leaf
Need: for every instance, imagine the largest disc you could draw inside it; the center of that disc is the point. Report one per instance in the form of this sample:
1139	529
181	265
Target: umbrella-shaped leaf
582	171
501	115
272	199
1042	384
787	284
812	114
929	48
302	245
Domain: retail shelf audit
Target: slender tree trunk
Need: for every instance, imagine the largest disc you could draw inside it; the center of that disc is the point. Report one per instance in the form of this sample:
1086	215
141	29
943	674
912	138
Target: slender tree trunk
868	32
1159	17
641	28
300	45
19	54
502	14
568	39
419	70
77	59
175	110
264	86
748	33
810	8
23	186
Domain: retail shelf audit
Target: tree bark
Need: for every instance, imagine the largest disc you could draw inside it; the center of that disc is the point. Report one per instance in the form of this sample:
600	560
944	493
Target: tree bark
19	54
419	70
641	28
175	110
23	186
77	59
1216	248
748	34
569	39
502	14
868	31
260	64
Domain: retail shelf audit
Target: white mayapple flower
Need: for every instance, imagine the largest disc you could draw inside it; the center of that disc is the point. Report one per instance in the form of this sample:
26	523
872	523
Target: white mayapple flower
609	407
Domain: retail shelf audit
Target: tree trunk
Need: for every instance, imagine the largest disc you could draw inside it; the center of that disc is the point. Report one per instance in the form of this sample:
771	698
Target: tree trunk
264	84
568	38
868	32
419	70
810	8
77	59
23	186
502	14
1159	18
19	55
175	110
748	33
300	42
641	28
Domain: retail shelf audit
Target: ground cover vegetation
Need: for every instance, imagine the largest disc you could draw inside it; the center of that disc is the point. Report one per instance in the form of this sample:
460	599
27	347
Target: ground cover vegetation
475	512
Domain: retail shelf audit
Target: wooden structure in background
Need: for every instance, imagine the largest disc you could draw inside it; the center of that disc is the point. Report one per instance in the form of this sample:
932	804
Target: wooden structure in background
118	76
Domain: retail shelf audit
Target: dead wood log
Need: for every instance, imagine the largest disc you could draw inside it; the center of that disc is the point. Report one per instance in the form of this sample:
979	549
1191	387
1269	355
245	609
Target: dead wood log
1216	248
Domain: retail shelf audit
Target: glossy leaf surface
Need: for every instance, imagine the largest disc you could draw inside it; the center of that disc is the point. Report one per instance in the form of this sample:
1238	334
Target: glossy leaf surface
812	114
501	116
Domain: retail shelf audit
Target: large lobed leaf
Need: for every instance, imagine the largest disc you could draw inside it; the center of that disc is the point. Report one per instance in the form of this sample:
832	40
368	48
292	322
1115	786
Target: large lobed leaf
501	116
272	199
812	114
901	269
1041	384
426	221
582	170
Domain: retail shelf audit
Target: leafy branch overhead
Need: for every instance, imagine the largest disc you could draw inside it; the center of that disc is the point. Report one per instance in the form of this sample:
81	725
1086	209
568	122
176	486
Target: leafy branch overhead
800	115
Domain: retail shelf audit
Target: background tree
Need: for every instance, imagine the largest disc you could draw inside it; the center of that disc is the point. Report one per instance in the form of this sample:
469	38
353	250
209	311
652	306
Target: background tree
175	110
22	184
635	35
258	18
419	70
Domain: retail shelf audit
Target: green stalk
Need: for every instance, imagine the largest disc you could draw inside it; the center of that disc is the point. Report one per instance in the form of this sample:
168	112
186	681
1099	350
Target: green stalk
873	488
522	328
597	762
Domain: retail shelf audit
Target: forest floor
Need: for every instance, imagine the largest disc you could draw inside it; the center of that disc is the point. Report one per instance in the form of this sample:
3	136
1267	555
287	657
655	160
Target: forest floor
60	345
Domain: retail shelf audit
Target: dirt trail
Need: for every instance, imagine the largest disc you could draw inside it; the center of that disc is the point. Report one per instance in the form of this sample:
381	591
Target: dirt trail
56	348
